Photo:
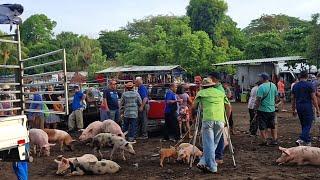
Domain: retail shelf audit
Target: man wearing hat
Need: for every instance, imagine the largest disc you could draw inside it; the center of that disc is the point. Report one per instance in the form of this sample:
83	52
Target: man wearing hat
131	102
214	105
265	106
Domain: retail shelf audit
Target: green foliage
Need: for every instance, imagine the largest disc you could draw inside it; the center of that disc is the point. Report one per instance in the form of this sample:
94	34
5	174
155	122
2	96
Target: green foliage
275	23
206	15
113	42
313	41
36	29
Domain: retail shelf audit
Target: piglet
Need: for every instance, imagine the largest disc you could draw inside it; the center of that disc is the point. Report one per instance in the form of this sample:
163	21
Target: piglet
301	155
167	153
93	129
40	138
109	126
185	153
64	164
62	137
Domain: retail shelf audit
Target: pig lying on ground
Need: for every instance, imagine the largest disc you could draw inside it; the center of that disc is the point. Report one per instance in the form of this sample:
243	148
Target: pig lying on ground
94	168
62	137
117	142
66	164
301	155
167	153
109	126
93	129
186	152
39	138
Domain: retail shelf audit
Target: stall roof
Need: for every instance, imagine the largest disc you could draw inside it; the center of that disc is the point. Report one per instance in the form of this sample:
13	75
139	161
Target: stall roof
139	69
265	60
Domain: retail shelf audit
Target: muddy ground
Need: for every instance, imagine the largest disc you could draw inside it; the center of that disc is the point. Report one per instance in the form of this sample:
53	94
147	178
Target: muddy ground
253	161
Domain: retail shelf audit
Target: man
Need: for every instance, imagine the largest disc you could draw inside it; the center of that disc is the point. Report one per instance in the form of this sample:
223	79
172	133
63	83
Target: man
37	118
130	101
265	106
110	106
214	105
143	111
303	96
76	117
215	77
171	125
252	100
282	94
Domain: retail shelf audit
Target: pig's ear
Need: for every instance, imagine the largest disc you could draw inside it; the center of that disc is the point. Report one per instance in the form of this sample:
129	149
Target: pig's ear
58	162
284	150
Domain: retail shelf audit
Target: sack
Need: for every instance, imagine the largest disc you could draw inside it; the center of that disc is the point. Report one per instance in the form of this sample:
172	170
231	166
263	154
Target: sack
45	110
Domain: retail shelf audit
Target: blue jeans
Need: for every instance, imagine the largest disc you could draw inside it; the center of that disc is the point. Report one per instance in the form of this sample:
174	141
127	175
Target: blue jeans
130	125
306	116
115	115
220	149
211	134
104	115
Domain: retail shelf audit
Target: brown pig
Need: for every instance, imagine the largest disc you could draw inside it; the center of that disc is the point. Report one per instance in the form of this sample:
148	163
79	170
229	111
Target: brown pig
61	137
92	130
167	153
301	155
39	138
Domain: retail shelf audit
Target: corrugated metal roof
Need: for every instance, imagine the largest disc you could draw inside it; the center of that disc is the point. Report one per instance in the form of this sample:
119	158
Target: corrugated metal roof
265	60
138	69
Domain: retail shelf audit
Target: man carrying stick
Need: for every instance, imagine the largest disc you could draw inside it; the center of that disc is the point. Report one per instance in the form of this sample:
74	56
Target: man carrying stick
214	103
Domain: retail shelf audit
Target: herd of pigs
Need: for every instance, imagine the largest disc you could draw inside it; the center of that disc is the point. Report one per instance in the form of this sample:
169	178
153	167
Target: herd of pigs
104	134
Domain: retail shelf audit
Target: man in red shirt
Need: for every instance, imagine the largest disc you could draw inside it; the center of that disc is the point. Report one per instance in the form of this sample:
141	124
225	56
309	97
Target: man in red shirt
282	95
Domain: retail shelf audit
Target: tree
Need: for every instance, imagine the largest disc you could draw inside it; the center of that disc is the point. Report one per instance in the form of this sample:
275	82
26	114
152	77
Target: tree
205	15
37	29
113	42
313	41
265	45
275	23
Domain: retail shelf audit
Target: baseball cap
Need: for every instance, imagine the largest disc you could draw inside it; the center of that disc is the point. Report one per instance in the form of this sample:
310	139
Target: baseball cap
264	76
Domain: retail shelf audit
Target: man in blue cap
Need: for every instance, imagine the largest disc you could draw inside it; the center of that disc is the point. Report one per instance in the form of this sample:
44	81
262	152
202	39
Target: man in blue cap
265	105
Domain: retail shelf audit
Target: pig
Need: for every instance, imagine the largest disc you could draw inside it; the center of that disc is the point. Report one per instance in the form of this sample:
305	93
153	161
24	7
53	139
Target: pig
95	168
117	142
183	145
93	129
301	155
66	164
186	152
109	126
167	153
60	136
40	138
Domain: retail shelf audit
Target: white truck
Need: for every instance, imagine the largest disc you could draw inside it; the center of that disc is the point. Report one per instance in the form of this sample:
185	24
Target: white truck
14	138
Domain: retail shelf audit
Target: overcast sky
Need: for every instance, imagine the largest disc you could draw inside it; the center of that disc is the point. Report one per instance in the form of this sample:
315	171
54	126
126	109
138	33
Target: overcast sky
90	17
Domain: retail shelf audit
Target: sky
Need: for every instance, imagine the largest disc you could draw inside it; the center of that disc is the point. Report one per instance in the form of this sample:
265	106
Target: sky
90	17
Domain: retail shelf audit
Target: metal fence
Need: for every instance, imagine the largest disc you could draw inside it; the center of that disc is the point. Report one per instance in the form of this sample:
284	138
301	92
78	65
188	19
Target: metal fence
17	88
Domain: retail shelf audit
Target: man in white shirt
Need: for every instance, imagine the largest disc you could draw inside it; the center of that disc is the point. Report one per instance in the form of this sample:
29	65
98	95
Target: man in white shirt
253	95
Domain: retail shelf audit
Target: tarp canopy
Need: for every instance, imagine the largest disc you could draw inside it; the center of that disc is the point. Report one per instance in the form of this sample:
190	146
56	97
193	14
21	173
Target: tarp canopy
140	69
9	13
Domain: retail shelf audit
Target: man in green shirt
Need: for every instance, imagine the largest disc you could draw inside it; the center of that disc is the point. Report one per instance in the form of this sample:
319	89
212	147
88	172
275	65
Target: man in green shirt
265	106
214	105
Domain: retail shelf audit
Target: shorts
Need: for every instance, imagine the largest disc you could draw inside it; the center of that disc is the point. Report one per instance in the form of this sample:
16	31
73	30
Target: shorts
266	120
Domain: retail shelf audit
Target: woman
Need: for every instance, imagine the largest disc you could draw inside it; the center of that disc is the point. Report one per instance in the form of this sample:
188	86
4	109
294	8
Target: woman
52	119
184	115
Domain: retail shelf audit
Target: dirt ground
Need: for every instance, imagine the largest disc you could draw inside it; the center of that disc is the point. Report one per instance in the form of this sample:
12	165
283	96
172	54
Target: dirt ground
253	161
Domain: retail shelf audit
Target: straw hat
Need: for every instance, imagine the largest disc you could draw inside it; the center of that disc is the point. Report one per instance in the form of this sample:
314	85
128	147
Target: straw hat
207	82
5	87
129	85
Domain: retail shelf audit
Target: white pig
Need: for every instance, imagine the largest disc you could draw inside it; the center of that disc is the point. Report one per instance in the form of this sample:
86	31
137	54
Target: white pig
109	126
64	165
301	155
93	129
186	152
40	138
95	168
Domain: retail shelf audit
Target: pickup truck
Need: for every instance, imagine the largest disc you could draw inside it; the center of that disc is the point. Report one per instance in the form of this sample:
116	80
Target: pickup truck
14	138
